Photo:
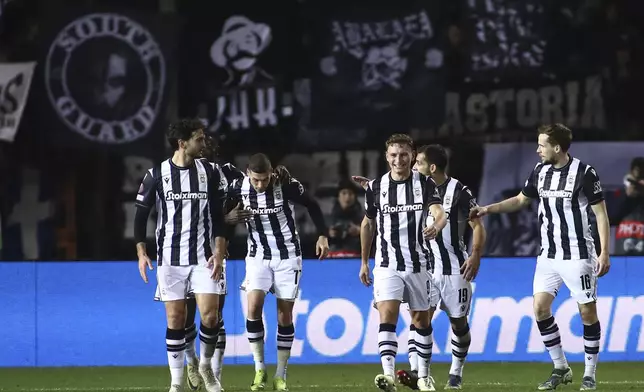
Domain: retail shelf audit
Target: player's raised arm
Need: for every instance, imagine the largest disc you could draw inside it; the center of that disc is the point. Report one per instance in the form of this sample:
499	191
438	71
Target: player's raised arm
145	200
513	204
367	231
294	191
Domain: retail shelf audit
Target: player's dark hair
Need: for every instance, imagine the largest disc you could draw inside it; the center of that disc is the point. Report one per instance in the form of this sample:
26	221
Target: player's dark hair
558	134
259	163
183	130
435	154
399	138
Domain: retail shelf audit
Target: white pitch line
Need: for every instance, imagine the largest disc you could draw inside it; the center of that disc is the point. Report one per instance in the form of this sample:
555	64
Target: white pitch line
95	389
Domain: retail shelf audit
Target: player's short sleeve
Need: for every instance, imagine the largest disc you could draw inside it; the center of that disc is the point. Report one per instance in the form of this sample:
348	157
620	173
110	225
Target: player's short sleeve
466	200
146	196
592	187
431	192
530	186
370	202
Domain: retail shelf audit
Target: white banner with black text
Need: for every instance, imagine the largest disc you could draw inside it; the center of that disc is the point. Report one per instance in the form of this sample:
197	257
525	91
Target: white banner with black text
15	80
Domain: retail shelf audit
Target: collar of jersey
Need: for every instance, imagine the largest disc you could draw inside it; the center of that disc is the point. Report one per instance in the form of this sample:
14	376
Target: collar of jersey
391	179
447	179
564	166
181	167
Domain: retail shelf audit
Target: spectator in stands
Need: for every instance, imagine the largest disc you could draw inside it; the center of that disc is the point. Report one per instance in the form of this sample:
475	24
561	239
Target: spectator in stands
344	232
629	238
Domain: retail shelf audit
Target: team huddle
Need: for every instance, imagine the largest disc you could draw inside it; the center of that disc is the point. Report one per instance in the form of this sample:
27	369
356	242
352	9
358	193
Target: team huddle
418	215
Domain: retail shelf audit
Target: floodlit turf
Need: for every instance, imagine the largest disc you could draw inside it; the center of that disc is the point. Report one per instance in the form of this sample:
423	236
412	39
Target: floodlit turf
332	378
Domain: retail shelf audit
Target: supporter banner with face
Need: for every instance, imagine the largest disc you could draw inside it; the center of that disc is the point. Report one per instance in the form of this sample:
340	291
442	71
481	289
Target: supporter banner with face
105	80
236	62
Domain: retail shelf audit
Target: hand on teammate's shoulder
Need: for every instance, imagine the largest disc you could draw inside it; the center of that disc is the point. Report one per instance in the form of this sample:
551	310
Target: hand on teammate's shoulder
282	175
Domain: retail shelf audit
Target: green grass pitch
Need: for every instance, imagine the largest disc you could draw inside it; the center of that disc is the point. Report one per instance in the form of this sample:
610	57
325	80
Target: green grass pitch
486	377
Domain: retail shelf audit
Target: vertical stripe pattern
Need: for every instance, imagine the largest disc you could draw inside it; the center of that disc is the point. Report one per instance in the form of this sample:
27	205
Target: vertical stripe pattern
400	208
563	211
184	220
272	233
448	250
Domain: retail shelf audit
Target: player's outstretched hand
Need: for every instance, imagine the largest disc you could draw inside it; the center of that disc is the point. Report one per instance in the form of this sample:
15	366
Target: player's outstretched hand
282	175
322	247
237	215
603	265
430	232
470	268
144	261
362	181
478	212
365	276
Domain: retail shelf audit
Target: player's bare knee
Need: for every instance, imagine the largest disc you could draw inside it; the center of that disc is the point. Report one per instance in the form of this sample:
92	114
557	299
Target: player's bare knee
542	305
210	317
588	313
421	320
209	310
388	311
458	324
541	312
175	314
284	312
255	304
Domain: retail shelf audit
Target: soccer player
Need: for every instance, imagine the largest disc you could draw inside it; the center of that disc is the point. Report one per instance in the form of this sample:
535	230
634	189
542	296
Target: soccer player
274	258
567	189
228	173
395	205
452	268
186	192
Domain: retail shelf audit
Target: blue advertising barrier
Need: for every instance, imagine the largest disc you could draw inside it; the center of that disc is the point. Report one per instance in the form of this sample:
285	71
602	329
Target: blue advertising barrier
101	313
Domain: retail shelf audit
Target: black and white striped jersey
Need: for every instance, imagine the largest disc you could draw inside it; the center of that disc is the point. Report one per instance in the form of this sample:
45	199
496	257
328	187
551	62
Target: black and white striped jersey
188	201
448	251
399	209
565	196
272	232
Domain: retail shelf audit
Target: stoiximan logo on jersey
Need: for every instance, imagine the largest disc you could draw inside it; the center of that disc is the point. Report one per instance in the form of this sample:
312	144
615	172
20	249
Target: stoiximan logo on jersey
170	195
387	209
545	193
105	76
267	210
